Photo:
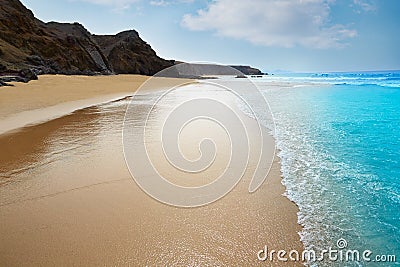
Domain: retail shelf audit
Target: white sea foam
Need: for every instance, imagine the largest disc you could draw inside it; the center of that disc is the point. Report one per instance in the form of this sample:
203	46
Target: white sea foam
337	198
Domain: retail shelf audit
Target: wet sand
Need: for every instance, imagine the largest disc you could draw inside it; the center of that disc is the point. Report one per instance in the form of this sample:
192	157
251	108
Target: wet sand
67	198
56	95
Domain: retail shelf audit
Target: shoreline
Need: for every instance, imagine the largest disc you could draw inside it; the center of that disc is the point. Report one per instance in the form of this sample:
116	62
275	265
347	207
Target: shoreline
266	217
54	96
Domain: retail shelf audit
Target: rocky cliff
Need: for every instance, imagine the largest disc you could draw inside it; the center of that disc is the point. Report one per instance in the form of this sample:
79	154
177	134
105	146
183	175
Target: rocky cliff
194	70
248	70
29	46
127	53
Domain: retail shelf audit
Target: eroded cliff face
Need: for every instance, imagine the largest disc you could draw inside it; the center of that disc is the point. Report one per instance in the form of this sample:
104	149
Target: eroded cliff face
29	47
127	53
248	70
27	43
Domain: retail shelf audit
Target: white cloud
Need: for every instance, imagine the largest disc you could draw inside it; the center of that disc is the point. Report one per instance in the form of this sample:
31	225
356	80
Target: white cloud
166	2
159	3
284	23
365	5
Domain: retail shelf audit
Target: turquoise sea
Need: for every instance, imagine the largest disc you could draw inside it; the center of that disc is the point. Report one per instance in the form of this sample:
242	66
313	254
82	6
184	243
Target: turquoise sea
338	136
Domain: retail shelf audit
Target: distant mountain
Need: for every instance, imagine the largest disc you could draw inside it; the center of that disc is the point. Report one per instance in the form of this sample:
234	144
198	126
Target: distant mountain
248	70
196	70
29	46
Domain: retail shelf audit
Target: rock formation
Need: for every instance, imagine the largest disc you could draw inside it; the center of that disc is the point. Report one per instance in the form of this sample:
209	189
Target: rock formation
29	45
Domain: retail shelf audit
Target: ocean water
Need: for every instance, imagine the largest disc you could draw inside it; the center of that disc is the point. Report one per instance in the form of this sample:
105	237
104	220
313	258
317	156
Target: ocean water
338	136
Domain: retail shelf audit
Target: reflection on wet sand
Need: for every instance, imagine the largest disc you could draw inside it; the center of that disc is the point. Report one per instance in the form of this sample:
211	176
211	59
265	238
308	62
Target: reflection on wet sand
67	198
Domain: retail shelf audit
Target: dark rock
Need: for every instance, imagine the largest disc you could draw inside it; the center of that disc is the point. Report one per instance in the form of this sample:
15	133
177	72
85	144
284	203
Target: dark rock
27	43
247	70
28	74
35	60
4	83
200	70
2	68
15	78
206	70
127	53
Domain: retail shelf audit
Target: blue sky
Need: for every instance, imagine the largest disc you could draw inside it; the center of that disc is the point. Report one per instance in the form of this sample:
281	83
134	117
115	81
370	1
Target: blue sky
293	35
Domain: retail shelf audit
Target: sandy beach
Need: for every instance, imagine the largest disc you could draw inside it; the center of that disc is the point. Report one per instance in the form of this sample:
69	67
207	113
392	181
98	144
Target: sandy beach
67	197
56	95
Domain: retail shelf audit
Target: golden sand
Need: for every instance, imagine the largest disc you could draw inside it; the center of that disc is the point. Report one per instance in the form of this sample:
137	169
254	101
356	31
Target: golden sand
67	197
56	95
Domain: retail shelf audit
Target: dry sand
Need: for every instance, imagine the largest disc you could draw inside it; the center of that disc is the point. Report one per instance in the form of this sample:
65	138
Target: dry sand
67	198
56	95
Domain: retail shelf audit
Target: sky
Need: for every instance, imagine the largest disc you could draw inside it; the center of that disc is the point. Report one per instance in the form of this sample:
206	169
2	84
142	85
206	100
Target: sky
273	35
